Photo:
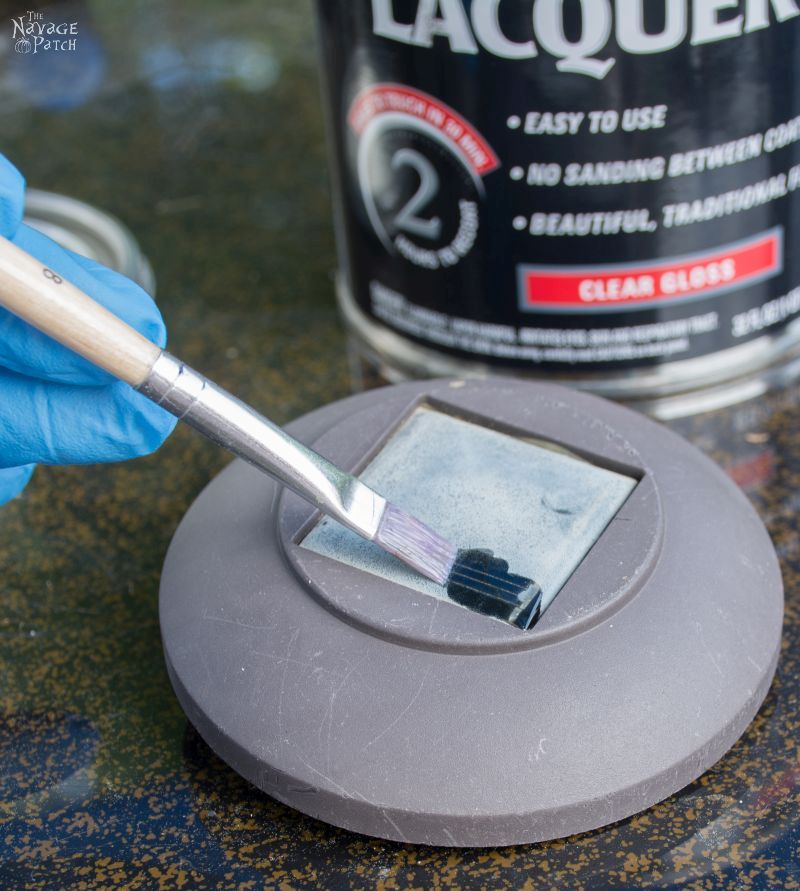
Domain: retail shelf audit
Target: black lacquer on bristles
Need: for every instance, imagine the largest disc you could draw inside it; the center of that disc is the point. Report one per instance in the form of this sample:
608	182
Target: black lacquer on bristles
474	578
482	582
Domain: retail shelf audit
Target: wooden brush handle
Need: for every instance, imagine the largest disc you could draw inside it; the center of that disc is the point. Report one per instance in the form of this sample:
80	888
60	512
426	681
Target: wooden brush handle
44	299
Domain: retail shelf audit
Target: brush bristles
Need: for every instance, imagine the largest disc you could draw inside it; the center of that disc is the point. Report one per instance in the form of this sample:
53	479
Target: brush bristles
416	544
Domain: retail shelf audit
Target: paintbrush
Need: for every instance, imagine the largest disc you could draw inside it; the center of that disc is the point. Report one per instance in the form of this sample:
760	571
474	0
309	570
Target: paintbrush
472	577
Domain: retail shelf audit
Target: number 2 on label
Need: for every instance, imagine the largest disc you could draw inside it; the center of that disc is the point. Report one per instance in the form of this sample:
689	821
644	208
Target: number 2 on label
408	217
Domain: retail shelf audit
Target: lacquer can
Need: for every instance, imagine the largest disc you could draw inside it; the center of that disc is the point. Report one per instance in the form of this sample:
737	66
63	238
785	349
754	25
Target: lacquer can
603	193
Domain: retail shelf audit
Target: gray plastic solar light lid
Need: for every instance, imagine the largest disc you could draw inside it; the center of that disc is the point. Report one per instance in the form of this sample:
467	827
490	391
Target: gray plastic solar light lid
378	707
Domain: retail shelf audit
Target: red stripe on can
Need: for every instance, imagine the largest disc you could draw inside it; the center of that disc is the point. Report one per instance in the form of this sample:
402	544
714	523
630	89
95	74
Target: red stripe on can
617	287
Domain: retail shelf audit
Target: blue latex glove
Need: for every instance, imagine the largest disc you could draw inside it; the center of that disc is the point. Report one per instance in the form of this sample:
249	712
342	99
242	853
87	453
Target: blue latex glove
56	408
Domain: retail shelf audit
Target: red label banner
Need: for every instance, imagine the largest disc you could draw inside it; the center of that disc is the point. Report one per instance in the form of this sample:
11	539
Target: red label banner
639	284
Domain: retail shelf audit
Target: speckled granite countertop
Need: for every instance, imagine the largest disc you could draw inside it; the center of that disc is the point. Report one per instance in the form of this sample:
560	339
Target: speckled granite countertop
219	168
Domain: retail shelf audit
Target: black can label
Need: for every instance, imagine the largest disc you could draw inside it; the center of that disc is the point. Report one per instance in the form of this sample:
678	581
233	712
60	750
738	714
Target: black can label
562	183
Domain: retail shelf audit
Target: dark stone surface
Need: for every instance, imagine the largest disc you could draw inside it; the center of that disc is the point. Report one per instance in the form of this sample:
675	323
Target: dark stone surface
221	173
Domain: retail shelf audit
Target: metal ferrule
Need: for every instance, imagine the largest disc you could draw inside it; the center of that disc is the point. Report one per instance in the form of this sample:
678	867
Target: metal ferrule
234	425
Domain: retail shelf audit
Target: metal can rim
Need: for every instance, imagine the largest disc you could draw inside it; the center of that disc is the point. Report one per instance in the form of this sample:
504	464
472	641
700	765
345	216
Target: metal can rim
673	389
94	233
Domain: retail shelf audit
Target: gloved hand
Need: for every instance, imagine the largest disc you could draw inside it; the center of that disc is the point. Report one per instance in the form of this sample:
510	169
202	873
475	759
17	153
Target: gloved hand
56	408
